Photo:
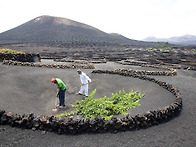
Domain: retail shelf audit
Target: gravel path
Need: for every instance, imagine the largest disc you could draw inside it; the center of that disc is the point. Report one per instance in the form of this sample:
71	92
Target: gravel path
179	131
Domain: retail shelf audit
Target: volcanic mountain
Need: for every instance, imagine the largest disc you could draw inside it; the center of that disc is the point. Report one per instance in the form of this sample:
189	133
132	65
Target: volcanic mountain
56	29
48	30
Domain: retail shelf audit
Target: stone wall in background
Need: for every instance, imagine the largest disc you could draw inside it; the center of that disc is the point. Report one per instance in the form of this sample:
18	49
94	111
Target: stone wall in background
63	66
20	57
171	71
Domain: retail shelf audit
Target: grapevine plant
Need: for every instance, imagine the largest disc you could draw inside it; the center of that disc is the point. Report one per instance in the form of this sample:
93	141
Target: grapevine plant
105	107
10	51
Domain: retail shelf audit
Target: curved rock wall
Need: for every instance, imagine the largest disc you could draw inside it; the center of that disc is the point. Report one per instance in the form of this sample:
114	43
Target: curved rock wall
190	68
81	61
66	125
20	57
63	66
128	62
172	72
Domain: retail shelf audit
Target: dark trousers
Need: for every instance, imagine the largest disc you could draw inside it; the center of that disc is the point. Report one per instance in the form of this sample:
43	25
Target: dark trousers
62	98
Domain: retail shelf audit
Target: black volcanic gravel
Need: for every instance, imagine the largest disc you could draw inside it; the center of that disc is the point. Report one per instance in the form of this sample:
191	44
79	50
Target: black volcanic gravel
179	131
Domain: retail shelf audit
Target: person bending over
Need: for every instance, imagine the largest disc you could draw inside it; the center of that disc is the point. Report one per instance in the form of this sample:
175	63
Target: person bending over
61	88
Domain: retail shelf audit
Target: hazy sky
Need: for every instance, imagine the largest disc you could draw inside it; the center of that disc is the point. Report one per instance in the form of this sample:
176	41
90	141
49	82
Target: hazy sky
135	19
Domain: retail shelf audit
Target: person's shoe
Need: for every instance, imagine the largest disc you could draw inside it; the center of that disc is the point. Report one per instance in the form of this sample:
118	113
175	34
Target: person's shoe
78	93
61	107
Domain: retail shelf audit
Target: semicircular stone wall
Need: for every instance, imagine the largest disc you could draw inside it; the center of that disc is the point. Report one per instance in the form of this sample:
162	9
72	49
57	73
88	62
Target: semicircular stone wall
69	125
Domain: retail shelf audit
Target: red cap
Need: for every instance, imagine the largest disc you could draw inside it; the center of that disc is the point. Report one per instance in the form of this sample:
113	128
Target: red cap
53	80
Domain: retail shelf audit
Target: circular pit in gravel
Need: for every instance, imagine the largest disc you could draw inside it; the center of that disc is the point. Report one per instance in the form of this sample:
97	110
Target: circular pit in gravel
29	89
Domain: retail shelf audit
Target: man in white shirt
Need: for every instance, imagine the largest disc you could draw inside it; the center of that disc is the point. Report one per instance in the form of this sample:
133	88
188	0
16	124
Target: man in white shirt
84	83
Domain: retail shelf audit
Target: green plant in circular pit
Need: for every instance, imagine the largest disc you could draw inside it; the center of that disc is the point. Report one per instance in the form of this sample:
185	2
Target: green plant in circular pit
10	51
193	50
105	107
121	45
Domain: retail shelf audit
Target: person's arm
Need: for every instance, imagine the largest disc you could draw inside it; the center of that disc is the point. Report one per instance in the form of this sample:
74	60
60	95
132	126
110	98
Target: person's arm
81	79
58	91
89	80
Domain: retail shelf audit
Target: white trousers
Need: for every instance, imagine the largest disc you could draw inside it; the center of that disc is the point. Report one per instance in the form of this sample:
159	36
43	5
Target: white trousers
84	89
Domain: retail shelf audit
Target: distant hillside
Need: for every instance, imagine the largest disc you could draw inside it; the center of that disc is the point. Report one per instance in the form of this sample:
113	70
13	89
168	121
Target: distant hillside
119	36
184	40
57	31
47	28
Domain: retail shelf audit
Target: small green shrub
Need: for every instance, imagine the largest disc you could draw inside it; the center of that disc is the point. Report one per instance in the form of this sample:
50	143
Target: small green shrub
167	48
107	106
10	51
154	49
193	50
121	45
164	46
157	46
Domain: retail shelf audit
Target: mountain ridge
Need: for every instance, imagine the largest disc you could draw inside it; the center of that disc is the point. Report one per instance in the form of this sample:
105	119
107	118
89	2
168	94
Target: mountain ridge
185	39
63	32
48	28
63	21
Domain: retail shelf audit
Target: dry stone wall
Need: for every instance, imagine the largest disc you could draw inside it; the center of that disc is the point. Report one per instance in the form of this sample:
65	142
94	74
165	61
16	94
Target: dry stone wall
190	68
63	66
172	72
161	64
81	61
67	125
140	63
20	57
